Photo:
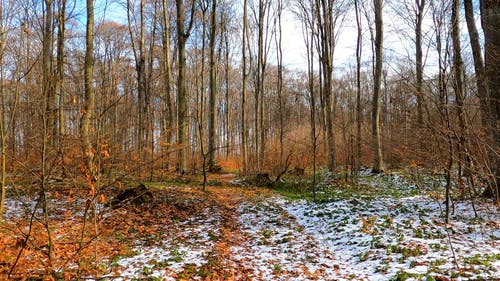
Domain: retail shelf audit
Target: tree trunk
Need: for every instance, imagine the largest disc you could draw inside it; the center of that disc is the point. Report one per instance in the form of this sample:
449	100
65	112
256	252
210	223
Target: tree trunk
230	137
48	84
213	88
459	88
359	110
419	63
279	54
3	125
490	17
141	87
244	87
259	115
482	88
378	165
325	16
88	112
182	125
61	37
167	77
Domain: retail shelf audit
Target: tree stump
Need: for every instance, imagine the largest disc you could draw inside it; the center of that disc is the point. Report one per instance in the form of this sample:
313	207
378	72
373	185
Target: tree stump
135	196
262	179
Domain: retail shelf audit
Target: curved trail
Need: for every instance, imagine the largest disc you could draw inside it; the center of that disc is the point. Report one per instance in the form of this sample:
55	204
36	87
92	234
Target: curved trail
261	241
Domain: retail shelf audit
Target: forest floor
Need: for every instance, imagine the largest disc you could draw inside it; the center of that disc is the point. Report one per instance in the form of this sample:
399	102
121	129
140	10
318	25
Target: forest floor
378	228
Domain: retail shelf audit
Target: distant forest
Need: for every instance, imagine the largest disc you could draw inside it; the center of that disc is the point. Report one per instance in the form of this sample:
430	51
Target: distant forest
200	85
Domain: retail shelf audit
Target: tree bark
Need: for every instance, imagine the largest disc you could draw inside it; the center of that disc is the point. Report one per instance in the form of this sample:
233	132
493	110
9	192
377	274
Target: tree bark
48	83
490	17
418	58
279	59
378	165
325	16
61	37
244	87
213	88
359	110
167	77
259	91
182	125
459	88
482	87
88	112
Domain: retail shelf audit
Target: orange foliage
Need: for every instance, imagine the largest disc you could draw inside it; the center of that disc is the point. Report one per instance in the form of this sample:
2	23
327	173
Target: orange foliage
230	164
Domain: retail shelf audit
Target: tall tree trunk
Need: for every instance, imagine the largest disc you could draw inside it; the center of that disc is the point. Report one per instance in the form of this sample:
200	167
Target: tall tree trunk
48	84
419	61
167	77
359	110
149	125
3	125
61	37
259	115
244	87
279	59
213	88
88	112
459	88
142	86
490	17
182	122
228	130
324	13
482	88
378	165
181	89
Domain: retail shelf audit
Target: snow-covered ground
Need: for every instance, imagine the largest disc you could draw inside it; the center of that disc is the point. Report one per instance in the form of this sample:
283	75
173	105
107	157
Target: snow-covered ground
381	238
362	238
182	246
275	246
386	228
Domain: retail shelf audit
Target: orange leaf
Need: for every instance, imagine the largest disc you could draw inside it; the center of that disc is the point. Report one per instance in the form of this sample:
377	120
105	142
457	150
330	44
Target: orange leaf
105	153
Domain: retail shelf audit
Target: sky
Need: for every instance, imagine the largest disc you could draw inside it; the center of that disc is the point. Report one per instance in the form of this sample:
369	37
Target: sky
396	45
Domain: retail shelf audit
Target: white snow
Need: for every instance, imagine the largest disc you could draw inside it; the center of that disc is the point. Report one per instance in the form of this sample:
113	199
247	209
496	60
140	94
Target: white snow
182	244
350	236
374	239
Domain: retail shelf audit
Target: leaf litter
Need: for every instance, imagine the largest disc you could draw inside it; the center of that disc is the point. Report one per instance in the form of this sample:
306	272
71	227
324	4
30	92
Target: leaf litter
230	233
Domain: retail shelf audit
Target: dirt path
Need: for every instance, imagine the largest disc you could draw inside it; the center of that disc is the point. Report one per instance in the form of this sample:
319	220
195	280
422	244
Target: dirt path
260	241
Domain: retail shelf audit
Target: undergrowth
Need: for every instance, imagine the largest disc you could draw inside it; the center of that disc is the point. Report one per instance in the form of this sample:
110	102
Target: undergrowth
333	187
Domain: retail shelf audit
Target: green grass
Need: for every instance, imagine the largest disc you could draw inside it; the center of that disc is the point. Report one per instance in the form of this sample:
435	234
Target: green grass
363	188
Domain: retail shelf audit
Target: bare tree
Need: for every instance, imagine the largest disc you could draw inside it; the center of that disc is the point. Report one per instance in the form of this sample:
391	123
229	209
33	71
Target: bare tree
263	20
89	107
279	86
482	87
139	50
167	76
244	85
419	59
213	88
329	15
48	86
459	88
378	165
359	113
61	37
183	33
7	11
490	18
